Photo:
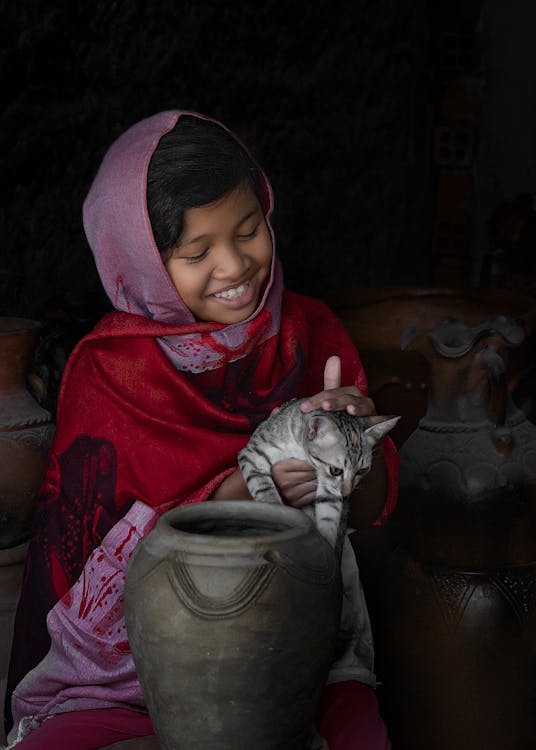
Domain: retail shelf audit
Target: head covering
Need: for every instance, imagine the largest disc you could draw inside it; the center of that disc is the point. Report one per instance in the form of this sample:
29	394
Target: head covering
119	232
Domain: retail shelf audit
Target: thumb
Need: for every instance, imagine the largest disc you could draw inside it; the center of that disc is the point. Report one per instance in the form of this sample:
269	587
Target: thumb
332	373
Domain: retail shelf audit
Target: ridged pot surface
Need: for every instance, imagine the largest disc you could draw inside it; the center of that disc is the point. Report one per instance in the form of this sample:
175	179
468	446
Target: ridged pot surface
232	609
458	650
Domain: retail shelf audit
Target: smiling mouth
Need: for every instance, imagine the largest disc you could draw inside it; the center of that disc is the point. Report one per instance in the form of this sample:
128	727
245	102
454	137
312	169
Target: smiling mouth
233	293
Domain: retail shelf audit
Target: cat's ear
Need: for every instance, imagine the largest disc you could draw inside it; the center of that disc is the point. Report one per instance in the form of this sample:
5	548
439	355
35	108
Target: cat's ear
319	427
314	425
378	427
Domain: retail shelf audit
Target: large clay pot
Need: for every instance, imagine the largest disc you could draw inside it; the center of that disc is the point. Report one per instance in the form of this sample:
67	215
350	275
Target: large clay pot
232	609
468	472
398	379
458	627
26	432
458	653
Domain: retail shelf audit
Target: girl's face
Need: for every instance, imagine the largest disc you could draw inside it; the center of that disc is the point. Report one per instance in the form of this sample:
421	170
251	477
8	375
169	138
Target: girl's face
223	258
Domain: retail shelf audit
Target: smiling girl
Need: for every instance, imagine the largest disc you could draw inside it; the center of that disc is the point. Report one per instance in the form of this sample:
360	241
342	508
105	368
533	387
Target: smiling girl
155	404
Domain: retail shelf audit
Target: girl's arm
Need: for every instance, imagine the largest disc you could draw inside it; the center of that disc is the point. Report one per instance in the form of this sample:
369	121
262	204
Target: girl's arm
233	487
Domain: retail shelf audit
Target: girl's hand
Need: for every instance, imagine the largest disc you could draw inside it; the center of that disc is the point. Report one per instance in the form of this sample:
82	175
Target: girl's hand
295	481
337	398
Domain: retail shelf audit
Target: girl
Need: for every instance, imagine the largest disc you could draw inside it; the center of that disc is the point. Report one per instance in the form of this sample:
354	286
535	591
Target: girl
155	404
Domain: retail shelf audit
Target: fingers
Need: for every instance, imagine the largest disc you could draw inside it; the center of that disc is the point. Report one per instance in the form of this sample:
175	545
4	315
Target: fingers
296	481
339	399
332	373
300	495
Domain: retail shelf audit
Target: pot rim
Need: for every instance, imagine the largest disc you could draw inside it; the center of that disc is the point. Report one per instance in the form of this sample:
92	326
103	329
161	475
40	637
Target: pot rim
295	522
11	324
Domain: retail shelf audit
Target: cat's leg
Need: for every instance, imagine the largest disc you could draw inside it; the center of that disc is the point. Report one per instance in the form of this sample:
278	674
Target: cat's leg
328	518
355	645
257	472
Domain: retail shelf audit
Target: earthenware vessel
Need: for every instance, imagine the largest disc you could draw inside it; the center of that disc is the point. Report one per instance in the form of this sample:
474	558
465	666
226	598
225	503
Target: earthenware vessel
26	431
459	595
398	378
458	649
468	472
232	609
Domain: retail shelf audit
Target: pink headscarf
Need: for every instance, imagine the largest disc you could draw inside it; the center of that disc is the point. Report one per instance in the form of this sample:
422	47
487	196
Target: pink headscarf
119	232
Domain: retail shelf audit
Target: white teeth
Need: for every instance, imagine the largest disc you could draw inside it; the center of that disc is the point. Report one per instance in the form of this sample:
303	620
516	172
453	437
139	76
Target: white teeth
237	291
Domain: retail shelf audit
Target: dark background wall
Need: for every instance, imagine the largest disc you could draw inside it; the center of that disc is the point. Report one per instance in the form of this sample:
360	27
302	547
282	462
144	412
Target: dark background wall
346	105
335	101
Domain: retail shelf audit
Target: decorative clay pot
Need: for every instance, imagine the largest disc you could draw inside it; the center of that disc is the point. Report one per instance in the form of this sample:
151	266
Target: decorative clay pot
458	654
232	609
26	432
458	639
468	472
398	379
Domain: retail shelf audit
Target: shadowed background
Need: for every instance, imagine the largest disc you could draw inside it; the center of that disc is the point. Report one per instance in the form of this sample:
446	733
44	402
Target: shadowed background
391	130
335	103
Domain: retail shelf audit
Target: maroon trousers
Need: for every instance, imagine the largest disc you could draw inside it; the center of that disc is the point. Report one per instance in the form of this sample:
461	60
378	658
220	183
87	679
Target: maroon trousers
348	718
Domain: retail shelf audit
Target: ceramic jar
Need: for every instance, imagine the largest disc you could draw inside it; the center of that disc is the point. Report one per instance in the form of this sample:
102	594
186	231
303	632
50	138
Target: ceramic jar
26	432
458	649
459	595
468	472
232	609
398	379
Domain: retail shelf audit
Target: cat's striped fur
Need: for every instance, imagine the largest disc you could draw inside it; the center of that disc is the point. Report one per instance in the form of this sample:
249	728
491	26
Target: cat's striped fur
338	445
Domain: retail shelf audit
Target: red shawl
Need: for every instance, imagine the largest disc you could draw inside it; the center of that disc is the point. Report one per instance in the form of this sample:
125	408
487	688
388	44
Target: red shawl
132	427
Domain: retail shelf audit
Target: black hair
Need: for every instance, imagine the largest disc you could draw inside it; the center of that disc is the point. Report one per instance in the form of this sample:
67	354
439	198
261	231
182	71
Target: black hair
196	163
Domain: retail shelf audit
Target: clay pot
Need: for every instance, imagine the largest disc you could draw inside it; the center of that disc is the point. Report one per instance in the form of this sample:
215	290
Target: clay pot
26	432
398	380
458	601
458	652
468	472
232	609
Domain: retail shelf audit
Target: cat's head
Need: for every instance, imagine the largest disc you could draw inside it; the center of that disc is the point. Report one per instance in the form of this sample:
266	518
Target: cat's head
340	446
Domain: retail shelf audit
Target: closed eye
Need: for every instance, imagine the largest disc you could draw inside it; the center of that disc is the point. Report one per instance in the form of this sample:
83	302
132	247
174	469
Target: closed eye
196	258
248	236
335	471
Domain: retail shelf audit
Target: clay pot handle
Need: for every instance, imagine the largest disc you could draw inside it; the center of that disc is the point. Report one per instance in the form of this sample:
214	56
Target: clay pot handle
37	385
501	434
498	385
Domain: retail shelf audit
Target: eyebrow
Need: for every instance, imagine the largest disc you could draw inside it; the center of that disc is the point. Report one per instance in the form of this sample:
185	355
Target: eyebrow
200	237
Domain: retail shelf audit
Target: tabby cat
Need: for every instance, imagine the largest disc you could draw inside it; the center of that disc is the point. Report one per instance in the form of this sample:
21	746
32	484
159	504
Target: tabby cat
338	445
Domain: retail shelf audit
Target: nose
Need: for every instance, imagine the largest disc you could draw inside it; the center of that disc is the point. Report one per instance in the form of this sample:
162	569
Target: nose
346	488
231	262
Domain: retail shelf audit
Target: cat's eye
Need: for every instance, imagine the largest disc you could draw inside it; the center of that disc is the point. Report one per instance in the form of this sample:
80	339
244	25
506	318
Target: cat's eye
335	471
